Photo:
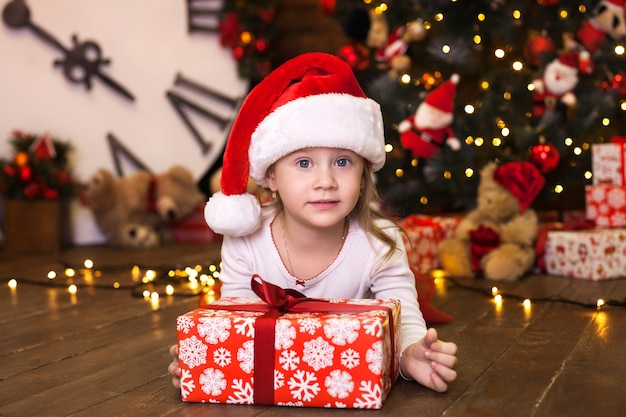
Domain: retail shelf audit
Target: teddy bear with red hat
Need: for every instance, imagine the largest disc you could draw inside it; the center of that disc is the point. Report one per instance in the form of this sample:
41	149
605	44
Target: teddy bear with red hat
427	131
496	240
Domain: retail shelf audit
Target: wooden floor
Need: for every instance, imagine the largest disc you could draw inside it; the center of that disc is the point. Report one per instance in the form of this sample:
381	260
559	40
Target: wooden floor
103	351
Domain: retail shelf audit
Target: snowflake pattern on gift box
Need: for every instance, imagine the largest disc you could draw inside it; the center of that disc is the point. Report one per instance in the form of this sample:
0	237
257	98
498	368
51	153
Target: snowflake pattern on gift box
323	360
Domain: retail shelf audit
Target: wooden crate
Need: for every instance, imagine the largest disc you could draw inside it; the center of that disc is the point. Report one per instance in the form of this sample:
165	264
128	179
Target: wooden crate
35	226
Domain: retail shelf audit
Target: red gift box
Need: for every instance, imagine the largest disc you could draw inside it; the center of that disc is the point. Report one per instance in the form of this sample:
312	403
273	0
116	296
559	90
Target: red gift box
290	350
423	234
607	163
606	205
193	229
593	254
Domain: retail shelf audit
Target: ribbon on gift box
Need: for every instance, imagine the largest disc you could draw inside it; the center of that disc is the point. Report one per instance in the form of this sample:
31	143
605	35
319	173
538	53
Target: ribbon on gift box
278	302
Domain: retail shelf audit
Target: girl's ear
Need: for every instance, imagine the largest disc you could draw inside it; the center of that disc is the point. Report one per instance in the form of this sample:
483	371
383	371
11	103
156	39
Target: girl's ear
270	178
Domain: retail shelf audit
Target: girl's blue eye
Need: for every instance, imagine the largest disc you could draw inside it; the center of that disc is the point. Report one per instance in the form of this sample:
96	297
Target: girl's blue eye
342	162
303	163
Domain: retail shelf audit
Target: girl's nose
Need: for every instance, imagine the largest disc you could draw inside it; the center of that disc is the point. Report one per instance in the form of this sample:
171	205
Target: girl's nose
325	178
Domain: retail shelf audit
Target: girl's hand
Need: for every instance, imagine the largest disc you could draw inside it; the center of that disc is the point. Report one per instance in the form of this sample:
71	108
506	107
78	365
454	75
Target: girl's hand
173	368
430	362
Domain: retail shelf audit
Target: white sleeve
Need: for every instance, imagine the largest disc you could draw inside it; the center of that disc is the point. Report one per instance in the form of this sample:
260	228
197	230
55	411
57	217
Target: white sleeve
236	271
394	279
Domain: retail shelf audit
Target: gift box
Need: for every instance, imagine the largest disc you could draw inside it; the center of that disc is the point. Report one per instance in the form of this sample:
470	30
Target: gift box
594	254
423	234
607	163
193	229
312	353
606	205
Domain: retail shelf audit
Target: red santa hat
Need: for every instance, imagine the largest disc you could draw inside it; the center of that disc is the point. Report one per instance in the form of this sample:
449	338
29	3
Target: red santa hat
442	97
570	59
522	179
313	100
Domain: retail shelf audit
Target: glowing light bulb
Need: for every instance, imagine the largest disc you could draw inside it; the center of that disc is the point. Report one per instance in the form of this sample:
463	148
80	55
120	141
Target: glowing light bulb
494	290
600	302
12	283
72	289
52	275
169	289
88	263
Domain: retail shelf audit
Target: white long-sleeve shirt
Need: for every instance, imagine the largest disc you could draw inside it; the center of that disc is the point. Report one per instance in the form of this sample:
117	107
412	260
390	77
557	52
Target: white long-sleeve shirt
359	271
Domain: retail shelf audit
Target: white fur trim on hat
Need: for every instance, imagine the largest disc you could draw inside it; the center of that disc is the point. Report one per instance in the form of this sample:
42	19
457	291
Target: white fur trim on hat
233	215
325	120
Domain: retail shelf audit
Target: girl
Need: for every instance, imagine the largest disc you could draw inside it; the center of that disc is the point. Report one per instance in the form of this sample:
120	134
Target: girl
314	139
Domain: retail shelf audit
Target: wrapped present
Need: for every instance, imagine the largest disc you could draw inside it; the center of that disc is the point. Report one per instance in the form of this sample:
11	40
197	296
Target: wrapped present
423	234
607	163
593	254
606	205
289	350
193	229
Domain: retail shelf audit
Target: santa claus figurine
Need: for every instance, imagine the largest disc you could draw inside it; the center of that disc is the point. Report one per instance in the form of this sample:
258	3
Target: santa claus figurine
427	131
555	90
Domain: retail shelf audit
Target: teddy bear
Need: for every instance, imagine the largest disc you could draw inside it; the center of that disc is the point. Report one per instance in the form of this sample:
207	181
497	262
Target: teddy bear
427	131
120	209
177	194
134	210
496	240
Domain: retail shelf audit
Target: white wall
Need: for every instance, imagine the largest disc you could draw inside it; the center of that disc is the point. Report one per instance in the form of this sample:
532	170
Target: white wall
148	43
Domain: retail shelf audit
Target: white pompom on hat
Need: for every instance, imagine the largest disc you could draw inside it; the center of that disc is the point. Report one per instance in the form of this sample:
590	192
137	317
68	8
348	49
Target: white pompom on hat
313	100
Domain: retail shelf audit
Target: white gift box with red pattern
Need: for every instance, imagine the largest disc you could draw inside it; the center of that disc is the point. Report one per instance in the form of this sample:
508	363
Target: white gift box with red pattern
423	234
607	163
345	355
606	205
593	254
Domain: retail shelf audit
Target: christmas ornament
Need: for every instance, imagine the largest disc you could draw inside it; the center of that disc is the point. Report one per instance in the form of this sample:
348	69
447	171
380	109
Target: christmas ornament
356	55
545	157
537	48
548	2
429	129
556	89
328	7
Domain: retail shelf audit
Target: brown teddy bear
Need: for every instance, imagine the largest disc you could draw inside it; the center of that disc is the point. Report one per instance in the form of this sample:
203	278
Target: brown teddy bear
134	211
121	208
496	239
177	194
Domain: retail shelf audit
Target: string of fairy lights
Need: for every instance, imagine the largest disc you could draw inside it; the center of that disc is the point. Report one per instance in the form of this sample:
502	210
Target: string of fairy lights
150	282
156	281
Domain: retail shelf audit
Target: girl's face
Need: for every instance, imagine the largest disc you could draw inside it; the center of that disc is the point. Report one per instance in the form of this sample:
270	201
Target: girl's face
318	186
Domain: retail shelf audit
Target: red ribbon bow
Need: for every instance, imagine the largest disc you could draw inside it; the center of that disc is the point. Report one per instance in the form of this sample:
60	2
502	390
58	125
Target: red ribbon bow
280	301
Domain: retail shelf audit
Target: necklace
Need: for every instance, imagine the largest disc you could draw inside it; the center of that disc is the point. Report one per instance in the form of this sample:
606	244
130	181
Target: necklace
291	270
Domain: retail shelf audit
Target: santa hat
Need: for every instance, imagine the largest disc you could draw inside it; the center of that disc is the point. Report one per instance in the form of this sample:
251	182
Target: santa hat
442	97
616	5
313	100
570	59
522	179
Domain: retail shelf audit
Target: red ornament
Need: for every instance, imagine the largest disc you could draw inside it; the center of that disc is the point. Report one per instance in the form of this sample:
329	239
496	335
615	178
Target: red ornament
238	53
548	2
356	55
230	30
25	173
328	7
537	47
545	157
267	15
261	45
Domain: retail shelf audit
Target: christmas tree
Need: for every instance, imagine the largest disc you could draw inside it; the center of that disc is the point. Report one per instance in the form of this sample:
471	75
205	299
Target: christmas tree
500	51
493	67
